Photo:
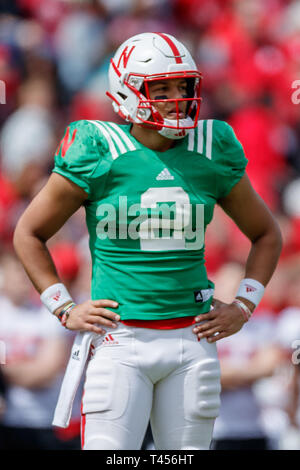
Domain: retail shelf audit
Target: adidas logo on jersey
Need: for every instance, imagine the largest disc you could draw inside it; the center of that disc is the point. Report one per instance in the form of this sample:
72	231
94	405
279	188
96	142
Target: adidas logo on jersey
203	295
165	175
198	297
109	340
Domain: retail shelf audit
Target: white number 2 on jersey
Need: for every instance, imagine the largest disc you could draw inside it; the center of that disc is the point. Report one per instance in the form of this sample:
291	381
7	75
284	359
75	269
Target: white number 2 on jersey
174	230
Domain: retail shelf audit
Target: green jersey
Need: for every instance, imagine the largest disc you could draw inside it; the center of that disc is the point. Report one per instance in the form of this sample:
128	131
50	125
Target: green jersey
147	212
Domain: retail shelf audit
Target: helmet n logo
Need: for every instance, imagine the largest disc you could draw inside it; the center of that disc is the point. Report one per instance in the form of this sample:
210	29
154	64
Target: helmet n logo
125	56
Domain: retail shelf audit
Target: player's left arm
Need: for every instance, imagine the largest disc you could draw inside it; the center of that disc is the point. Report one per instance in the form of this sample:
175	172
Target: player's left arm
255	220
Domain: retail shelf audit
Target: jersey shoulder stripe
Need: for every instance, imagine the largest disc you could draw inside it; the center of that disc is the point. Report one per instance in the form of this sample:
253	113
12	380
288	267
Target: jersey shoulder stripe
118	141
128	142
191	140
209	138
112	148
122	148
200	139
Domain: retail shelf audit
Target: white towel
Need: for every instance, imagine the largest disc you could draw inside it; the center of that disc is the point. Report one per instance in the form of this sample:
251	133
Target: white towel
74	371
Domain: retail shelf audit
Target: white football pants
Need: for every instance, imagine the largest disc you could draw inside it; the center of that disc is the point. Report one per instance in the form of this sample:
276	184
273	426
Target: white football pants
137	374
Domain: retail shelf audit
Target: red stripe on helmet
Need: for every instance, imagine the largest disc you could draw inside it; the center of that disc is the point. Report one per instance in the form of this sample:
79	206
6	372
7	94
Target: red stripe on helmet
172	46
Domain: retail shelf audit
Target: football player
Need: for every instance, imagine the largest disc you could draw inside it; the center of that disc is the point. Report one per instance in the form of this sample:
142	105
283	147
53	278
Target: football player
149	188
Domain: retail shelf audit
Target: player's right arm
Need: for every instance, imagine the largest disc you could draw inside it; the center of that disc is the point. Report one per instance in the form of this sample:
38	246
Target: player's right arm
46	214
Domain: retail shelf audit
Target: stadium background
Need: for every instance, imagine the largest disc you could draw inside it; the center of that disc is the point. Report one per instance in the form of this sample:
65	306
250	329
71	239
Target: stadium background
54	57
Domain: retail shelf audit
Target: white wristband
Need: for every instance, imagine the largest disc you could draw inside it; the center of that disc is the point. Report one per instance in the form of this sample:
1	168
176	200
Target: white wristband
251	289
55	296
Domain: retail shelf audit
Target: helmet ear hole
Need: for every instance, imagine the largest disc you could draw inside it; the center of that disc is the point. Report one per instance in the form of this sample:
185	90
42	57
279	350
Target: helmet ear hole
124	97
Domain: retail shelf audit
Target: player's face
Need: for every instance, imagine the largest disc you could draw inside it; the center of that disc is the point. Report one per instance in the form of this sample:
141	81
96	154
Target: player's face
171	89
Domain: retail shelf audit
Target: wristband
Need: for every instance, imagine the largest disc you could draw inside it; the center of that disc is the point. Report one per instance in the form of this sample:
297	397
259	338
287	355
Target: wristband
252	290
55	296
244	309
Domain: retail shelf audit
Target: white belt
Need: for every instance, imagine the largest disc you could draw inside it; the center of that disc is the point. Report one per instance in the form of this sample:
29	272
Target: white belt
73	374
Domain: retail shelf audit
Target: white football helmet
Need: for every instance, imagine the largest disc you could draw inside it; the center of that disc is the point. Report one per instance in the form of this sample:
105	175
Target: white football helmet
147	57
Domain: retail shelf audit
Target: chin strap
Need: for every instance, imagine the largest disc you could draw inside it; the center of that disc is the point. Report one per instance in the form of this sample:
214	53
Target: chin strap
179	133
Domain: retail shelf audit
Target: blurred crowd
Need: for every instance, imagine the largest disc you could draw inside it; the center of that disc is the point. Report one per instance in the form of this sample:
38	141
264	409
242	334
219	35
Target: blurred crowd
54	58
